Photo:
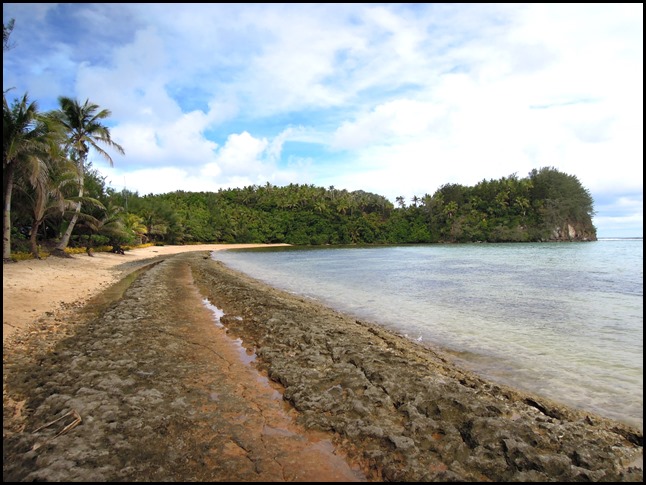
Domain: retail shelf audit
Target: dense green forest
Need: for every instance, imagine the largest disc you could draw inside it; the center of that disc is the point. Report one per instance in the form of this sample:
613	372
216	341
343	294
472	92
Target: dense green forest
537	208
55	200
545	206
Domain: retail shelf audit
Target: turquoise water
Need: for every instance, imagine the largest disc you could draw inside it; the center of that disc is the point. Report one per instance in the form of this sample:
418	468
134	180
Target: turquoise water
563	320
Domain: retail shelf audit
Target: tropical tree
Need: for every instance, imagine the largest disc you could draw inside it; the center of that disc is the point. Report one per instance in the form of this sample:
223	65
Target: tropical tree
26	138
84	130
157	216
135	225
107	226
48	194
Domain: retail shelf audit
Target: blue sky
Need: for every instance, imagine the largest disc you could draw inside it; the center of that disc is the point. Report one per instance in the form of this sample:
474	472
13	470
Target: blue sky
394	99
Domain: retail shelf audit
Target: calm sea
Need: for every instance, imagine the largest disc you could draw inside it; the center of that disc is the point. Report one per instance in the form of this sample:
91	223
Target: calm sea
563	320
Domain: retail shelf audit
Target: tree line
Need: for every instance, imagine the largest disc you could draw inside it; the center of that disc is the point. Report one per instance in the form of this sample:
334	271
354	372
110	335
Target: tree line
547	205
54	199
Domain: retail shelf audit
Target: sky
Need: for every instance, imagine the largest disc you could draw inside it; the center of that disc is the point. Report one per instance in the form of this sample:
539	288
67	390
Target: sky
394	99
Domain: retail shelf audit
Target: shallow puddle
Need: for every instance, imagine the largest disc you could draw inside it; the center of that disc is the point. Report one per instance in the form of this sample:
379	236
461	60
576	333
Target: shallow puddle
246	356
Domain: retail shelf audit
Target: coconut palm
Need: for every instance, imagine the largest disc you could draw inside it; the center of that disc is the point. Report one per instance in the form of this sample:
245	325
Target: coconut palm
84	130
135	225
107	223
47	194
26	139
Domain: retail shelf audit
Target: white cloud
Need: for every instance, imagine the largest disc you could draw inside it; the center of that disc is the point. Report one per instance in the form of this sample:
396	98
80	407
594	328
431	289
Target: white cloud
242	154
390	122
397	99
159	180
619	226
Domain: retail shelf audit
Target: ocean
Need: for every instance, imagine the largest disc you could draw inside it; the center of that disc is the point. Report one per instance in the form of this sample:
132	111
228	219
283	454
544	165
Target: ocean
561	320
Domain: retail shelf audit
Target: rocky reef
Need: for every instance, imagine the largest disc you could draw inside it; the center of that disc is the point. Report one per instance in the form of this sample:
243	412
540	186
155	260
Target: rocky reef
407	412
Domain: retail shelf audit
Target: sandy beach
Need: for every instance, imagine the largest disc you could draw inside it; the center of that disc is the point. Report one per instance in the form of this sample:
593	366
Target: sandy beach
147	388
33	289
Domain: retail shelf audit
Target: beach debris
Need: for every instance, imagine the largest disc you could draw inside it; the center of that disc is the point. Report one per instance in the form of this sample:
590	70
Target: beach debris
73	424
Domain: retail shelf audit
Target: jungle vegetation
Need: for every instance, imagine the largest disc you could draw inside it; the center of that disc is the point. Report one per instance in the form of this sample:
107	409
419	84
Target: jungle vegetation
539	207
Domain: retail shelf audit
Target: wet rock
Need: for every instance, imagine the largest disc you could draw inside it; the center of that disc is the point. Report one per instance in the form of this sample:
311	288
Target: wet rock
144	379
393	398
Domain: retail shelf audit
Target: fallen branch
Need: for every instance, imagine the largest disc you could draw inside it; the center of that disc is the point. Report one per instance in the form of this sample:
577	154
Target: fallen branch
72	425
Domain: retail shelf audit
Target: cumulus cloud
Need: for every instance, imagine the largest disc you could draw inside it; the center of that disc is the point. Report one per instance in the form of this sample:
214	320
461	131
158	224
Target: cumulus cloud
395	99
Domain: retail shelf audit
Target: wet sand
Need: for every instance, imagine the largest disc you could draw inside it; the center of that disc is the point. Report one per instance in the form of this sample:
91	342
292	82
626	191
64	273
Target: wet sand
164	394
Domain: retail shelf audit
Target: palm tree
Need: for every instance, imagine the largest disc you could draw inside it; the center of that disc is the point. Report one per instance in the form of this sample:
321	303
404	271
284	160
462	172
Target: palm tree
48	196
85	131
109	223
135	225
26	137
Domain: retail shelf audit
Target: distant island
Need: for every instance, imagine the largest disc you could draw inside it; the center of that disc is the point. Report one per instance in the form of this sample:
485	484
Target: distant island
545	206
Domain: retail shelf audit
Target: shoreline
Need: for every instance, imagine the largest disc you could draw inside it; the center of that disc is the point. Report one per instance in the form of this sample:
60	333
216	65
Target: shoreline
314	352
306	347
547	361
37	289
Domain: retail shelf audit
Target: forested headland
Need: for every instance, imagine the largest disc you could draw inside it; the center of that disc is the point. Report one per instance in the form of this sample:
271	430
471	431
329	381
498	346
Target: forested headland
547	205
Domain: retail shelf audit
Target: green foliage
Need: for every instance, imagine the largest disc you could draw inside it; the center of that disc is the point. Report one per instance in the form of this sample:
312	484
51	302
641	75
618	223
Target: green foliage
509	209
537	208
505	210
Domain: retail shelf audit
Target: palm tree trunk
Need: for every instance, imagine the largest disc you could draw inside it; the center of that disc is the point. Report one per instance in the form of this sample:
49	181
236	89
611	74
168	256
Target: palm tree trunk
88	246
33	239
6	214
60	249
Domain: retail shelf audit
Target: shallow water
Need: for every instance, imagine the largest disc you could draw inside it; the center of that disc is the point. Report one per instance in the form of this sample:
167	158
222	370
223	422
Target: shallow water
564	320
